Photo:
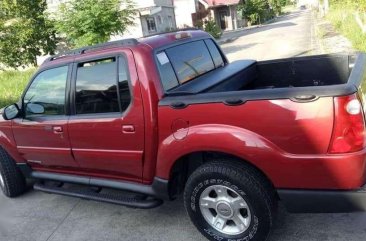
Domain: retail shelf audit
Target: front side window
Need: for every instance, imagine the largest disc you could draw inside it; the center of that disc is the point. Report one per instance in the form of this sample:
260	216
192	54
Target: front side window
97	90
47	92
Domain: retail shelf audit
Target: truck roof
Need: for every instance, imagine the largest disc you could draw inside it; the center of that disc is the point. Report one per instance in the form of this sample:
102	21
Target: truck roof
154	41
161	40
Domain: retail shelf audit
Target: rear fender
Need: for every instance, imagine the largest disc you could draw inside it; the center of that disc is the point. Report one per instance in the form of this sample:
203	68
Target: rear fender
219	138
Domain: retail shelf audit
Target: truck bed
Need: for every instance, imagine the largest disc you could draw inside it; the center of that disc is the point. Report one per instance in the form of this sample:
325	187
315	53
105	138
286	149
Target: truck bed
295	78
323	70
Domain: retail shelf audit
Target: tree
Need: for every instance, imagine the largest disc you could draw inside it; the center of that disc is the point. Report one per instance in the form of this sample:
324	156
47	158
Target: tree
25	32
87	22
276	6
254	10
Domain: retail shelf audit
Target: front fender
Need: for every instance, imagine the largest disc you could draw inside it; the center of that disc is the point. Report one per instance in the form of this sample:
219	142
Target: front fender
7	141
214	137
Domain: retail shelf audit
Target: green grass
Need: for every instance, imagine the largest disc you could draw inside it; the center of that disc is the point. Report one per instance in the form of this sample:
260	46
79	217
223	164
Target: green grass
12	84
344	21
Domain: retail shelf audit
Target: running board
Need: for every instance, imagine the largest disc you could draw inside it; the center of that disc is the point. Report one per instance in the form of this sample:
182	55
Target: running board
159	188
100	197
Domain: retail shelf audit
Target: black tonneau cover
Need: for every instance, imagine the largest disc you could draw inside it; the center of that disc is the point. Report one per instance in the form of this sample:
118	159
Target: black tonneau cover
197	93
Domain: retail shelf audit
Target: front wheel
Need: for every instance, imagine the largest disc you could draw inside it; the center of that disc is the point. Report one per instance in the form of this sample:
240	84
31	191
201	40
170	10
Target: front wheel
228	201
12	181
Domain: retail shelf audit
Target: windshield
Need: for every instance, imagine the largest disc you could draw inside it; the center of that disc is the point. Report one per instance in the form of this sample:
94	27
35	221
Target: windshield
185	62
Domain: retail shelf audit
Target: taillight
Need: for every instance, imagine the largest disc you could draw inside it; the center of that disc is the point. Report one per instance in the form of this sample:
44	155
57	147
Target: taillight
349	125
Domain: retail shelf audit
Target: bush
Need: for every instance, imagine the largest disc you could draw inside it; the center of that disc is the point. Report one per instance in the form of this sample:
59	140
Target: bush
12	84
212	28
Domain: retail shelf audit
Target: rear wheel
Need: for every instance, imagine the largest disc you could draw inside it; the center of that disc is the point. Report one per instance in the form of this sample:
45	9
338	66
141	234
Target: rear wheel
12	181
229	201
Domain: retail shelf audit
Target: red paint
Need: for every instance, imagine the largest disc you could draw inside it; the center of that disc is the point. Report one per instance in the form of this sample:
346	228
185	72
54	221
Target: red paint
288	141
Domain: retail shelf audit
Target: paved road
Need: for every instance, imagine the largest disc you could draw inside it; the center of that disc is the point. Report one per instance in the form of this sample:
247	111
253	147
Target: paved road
291	35
38	216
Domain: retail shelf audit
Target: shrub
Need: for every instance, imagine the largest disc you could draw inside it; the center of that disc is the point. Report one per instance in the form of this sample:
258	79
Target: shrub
212	28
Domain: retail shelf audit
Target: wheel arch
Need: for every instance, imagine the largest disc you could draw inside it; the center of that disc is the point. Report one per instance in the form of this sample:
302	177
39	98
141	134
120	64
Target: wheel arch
185	165
230	141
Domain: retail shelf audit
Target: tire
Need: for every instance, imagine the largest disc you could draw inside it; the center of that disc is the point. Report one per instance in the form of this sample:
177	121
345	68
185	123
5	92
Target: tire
233	197
12	181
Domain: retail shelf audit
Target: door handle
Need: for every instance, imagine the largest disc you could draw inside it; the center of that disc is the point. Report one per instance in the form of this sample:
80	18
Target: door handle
57	129
128	129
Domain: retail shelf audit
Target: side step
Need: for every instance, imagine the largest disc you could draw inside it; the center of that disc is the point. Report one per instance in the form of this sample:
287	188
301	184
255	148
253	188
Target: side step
101	197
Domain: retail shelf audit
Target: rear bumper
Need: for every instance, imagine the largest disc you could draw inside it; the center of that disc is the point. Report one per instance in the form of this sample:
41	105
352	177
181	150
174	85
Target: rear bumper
317	172
318	201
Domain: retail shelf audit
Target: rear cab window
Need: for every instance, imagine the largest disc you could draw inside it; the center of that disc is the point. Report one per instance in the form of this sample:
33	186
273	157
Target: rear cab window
185	62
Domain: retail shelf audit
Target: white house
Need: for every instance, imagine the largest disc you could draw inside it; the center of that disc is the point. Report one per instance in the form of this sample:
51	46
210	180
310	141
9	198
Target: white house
191	12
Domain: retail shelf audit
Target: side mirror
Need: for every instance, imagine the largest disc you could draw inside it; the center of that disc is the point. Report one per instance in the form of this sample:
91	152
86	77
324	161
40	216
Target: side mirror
34	108
11	112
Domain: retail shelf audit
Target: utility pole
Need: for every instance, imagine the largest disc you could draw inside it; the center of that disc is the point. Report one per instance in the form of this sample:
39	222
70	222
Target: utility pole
326	6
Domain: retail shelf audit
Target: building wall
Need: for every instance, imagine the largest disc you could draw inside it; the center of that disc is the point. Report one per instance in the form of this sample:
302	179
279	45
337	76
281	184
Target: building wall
231	16
164	21
150	3
183	12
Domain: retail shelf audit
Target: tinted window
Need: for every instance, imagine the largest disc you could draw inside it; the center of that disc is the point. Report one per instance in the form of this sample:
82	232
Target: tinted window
124	90
168	77
96	87
215	54
190	60
48	89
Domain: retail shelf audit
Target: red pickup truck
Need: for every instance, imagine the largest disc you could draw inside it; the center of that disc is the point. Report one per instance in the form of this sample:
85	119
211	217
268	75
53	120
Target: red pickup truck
168	114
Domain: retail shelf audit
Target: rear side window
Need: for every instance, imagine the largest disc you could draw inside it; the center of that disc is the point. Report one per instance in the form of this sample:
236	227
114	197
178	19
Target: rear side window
215	54
97	90
185	62
190	60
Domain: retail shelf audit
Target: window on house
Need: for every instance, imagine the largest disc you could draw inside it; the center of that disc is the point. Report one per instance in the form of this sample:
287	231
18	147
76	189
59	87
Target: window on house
151	26
170	20
160	21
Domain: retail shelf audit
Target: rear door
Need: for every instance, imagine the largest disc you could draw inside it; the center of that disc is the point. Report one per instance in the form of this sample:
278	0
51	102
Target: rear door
42	138
107	125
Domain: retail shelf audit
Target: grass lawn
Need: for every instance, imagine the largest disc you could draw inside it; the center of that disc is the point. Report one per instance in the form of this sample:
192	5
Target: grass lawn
344	21
12	84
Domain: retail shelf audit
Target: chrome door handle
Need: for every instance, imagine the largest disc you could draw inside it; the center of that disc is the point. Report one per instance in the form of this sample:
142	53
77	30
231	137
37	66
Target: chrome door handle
57	129
128	129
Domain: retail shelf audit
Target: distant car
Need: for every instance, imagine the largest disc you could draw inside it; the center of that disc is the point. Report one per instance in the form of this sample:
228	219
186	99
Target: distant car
302	7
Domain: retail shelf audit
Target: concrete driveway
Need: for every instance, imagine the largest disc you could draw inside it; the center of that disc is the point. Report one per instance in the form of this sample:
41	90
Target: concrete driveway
38	216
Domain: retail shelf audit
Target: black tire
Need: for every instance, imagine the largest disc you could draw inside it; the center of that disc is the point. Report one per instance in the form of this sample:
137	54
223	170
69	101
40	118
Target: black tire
246	181
13	183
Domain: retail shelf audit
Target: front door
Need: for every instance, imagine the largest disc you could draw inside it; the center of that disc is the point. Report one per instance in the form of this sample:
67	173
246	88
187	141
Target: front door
223	19
42	134
107	126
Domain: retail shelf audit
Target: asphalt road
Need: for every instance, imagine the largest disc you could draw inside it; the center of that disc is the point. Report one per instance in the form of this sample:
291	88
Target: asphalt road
291	35
38	216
